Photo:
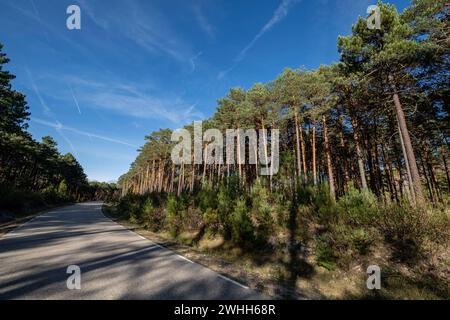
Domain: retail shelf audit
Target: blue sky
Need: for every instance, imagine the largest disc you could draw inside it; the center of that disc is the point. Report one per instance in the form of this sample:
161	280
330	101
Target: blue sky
140	65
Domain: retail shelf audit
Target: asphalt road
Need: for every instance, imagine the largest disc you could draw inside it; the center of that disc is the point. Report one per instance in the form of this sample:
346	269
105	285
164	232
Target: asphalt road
115	263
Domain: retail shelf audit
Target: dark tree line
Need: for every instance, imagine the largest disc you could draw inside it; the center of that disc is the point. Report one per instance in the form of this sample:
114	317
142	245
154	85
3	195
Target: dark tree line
30	166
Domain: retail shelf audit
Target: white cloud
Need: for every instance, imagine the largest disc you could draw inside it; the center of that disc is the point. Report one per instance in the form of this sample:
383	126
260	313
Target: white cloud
203	21
143	24
133	100
193	59
59	127
146	106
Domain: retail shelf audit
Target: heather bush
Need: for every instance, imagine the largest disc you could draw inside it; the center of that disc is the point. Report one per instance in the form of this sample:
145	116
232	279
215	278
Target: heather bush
411	229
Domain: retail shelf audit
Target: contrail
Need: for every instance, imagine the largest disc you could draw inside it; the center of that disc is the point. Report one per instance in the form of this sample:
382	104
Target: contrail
74	99
38	17
59	131
279	14
44	105
60	126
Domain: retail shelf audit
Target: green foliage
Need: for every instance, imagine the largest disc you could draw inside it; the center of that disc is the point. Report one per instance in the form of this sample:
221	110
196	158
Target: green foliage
322	202
174	213
325	255
19	201
13	107
342	245
207	199
362	240
152	216
224	209
212	221
130	206
242	231
261	214
358	207
411	229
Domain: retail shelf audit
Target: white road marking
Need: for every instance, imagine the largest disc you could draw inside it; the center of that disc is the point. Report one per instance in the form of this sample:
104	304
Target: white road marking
232	281
184	258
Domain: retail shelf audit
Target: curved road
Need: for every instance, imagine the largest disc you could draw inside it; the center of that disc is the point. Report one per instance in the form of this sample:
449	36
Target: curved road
115	263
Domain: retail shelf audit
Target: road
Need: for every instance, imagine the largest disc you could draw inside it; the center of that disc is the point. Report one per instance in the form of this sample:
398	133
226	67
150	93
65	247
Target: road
115	263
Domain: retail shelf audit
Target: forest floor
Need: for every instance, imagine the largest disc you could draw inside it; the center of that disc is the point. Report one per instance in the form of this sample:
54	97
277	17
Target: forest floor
284	276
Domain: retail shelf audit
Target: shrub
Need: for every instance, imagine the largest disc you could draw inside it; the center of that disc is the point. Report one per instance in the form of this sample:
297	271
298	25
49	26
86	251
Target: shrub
192	219
152	217
325	256
174	210
261	214
358	207
225	205
207	199
241	225
212	221
324	204
17	200
342	244
362	240
408	229
130	206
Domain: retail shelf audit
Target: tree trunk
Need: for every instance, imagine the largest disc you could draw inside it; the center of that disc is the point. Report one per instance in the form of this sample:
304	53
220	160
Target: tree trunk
303	149
314	169
146	185
328	153
445	168
408	171
297	140
239	152
359	154
344	159
415	177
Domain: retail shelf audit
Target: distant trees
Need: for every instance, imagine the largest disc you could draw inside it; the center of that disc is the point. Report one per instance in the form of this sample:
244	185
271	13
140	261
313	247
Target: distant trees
29	167
378	119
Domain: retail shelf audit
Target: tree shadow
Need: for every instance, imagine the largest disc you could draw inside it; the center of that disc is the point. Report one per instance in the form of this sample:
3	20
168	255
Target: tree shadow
295	265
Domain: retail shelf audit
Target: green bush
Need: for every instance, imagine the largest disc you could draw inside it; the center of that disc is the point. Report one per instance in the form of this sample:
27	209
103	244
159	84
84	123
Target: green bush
212	221
241	225
324	204
17	200
409	230
325	256
358	207
225	205
152	217
342	244
207	199
21	201
174	214
261	214
362	240
192	219
130	206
